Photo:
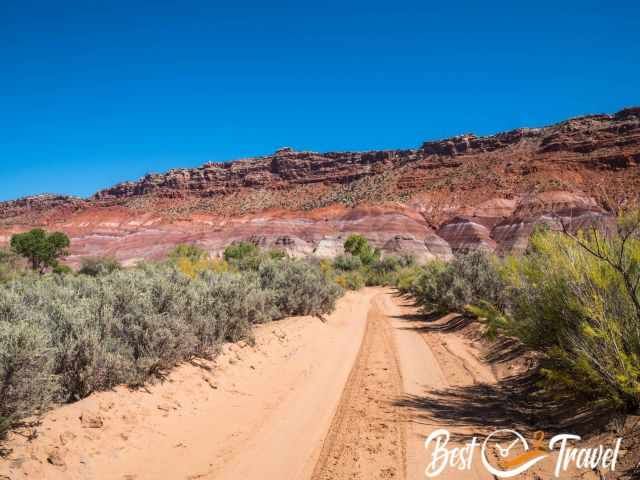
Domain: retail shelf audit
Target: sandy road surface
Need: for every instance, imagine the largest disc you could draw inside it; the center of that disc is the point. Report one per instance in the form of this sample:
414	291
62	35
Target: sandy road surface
258	413
367	438
380	428
347	399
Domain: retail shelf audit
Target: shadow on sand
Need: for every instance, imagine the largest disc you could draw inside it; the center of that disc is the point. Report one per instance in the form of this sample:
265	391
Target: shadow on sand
513	402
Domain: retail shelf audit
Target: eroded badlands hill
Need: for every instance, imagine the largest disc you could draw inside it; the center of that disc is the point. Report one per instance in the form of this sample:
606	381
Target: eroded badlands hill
454	194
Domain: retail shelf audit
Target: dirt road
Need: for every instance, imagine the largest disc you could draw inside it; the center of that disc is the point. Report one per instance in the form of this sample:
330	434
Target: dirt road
345	399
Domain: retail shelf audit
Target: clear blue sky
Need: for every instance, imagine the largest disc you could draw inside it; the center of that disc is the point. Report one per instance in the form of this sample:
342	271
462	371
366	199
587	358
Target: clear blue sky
93	93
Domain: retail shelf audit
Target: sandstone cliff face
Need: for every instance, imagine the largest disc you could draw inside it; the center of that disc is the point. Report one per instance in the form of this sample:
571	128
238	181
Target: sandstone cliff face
574	153
446	196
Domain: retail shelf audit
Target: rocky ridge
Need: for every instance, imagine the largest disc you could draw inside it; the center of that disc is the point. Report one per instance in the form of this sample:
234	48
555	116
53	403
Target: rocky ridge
450	195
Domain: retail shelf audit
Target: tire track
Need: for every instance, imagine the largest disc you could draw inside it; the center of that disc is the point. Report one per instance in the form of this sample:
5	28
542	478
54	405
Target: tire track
367	437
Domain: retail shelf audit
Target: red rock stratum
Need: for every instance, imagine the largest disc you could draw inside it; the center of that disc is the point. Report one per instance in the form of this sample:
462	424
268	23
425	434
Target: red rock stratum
449	195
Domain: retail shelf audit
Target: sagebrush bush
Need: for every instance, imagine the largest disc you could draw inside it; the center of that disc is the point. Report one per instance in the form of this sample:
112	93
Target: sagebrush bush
406	278
9	266
452	286
63	337
94	266
27	381
347	263
298	287
363	265
384	271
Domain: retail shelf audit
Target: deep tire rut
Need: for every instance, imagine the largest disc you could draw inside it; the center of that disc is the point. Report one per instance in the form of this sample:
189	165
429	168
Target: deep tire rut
367	438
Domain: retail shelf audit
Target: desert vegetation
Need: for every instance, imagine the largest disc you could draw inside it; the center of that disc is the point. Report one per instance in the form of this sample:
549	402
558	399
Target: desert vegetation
65	335
42	249
363	265
575	298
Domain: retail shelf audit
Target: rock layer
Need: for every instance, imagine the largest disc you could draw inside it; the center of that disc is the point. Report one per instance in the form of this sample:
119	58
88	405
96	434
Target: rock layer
446	196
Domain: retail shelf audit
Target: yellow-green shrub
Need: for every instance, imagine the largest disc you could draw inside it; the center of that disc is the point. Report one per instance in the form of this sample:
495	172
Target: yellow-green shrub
350	280
570	298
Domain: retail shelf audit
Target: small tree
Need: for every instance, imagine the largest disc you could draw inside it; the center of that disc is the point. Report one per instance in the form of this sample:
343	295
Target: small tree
42	249
358	246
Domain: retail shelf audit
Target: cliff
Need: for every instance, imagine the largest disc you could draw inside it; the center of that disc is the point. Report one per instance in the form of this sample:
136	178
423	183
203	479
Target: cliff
453	194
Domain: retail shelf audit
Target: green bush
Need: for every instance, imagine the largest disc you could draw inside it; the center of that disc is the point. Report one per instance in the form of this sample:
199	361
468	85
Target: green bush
277	254
384	271
298	287
351	280
358	245
96	266
576	300
190	251
453	286
63	337
347	263
406	279
246	256
240	251
363	265
9	265
27	383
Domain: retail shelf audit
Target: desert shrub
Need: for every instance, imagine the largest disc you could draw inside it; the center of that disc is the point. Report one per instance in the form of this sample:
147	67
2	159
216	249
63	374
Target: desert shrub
384	271
472	278
298	287
277	254
245	256
466	280
235	301
393	263
429	284
9	265
192	261
347	263
62	269
365	267
189	251
406	278
27	383
192	268
133	324
95	266
576	300
358	245
351	280
63	337
240	251
327	269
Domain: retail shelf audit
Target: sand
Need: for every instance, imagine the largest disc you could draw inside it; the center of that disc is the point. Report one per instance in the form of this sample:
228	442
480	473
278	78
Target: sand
349	398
